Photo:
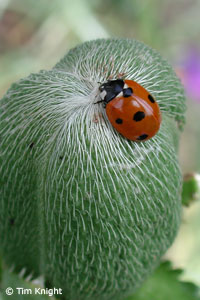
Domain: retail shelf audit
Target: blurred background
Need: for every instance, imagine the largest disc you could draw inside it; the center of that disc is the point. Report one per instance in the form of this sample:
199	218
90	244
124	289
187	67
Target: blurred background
34	35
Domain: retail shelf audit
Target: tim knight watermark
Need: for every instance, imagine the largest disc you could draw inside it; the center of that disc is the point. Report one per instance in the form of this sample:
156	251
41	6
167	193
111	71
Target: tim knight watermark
35	291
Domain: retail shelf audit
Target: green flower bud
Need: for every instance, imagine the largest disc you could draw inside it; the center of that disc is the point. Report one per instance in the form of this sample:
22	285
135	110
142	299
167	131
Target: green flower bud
90	210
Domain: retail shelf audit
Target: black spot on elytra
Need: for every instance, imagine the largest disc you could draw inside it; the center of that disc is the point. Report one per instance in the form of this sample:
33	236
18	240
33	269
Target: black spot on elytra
151	98
142	137
139	116
119	121
31	145
127	92
12	221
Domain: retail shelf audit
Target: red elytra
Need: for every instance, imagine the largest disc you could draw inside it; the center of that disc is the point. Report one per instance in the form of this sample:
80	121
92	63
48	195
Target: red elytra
131	109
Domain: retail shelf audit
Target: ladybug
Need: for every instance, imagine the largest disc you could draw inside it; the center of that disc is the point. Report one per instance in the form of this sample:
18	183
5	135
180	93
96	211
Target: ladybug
131	109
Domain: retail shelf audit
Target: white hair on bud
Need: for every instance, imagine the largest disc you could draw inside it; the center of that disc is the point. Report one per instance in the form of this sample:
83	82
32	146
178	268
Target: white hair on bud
103	59
109	206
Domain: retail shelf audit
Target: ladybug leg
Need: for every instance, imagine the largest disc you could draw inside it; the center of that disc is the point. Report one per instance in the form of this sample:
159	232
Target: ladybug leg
99	101
121	75
110	77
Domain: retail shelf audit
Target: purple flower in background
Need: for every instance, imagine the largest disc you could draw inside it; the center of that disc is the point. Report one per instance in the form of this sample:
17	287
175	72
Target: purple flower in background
189	73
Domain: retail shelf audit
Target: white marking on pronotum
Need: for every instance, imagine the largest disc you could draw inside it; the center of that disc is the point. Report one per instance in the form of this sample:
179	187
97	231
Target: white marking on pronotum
119	95
103	94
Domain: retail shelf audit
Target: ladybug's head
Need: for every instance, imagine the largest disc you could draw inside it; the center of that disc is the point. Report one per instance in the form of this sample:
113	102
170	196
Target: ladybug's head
110	89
